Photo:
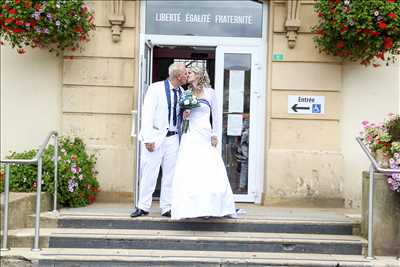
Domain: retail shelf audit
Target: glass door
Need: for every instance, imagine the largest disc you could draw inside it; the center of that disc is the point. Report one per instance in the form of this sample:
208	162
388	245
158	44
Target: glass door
238	88
145	80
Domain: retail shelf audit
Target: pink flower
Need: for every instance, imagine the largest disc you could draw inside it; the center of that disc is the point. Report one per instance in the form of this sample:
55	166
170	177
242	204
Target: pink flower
73	170
365	122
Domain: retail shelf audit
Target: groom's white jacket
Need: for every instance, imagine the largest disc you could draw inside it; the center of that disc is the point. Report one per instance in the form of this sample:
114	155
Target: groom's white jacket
155	115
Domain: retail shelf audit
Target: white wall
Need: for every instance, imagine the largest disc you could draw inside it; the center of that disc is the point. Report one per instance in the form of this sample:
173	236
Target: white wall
368	94
30	98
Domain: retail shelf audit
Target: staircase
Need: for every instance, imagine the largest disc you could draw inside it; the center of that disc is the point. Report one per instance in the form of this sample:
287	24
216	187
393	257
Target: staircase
260	238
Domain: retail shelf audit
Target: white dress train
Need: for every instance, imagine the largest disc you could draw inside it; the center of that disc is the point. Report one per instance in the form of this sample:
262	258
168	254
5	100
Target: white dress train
200	184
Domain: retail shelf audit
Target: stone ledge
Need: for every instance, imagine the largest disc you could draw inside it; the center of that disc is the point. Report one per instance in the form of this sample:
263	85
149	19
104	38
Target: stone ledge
22	205
303	202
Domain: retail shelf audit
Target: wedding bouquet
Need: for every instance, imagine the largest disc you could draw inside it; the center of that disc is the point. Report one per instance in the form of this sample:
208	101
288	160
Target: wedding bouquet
187	102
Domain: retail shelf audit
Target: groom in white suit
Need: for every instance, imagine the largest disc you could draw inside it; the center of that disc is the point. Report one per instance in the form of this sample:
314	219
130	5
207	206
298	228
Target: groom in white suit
159	134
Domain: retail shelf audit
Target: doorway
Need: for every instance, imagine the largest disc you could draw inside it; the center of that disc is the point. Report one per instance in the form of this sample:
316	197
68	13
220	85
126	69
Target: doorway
234	55
234	74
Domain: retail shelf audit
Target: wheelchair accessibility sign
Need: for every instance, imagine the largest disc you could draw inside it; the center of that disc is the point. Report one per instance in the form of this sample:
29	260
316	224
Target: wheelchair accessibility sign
306	104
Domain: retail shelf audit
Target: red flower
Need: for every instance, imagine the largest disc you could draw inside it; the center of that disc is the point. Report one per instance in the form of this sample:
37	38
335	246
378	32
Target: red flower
12	11
344	29
8	20
381	55
38	6
74	157
17	1
78	29
392	15
391	1
28	4
382	25
388	42
374	33
17	30
91	199
19	22
340	45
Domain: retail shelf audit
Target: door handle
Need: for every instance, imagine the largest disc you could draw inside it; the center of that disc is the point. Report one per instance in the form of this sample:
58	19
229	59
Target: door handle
257	93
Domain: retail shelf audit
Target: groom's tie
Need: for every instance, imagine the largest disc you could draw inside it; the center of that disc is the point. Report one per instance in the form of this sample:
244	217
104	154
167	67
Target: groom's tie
175	104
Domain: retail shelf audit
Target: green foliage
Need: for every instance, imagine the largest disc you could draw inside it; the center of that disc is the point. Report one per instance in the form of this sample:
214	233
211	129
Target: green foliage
77	183
359	30
54	24
393	127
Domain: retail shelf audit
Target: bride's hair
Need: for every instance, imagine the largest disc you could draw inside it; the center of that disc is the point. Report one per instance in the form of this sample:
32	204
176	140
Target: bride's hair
204	80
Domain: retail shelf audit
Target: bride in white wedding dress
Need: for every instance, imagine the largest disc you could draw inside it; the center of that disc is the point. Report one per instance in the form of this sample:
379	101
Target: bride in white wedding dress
200	185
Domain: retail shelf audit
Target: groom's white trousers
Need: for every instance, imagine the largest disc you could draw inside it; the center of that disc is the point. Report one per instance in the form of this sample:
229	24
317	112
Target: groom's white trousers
164	156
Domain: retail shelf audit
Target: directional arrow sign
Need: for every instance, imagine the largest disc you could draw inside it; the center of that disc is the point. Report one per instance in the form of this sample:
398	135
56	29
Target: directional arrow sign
306	104
295	108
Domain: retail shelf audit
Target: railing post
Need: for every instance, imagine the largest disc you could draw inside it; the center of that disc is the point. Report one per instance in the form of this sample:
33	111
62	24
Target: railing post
38	196
370	214
55	172
4	246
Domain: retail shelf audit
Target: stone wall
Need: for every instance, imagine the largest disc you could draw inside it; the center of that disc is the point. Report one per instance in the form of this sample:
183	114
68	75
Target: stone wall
303	151
30	98
98	96
368	94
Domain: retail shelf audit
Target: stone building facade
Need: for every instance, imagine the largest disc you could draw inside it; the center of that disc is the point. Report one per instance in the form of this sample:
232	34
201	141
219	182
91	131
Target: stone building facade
306	158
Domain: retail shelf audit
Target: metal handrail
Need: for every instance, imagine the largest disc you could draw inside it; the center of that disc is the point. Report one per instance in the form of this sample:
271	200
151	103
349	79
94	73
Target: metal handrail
37	159
373	168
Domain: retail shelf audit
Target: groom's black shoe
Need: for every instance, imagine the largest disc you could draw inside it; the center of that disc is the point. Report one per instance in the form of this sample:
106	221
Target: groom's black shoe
138	212
167	214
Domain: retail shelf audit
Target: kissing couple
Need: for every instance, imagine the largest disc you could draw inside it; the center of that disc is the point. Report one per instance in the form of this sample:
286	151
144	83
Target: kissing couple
194	179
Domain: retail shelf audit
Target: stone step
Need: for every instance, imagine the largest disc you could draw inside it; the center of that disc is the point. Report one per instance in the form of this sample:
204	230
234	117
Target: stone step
55	257
190	240
52	220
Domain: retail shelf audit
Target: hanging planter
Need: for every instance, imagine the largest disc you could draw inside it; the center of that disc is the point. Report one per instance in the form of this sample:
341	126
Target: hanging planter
55	24
366	31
